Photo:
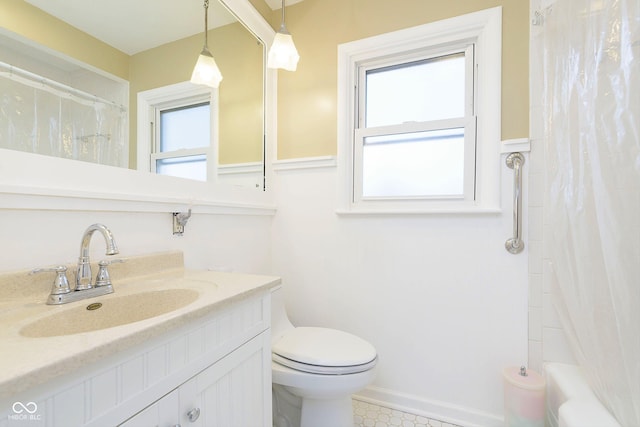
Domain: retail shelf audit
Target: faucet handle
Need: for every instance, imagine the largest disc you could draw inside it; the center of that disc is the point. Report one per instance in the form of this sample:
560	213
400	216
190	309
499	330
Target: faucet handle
103	278
60	283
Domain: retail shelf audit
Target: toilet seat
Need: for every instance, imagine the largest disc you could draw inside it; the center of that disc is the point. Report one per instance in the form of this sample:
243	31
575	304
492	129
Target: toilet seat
324	351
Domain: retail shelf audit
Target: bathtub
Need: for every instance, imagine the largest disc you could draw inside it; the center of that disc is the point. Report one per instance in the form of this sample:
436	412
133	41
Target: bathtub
570	401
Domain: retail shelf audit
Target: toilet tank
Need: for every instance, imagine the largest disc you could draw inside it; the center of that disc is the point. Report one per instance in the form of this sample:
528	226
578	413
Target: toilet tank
280	322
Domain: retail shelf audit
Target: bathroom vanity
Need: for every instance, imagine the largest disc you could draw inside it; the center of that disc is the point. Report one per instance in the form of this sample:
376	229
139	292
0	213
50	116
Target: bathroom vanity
171	347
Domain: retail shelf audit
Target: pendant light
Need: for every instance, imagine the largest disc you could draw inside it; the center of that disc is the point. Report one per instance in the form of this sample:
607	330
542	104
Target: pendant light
206	71
283	53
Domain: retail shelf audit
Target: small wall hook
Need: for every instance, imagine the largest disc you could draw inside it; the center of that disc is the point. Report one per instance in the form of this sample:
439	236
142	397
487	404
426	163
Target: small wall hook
179	221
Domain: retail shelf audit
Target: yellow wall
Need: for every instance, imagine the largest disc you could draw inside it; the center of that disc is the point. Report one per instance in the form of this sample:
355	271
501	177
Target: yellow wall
307	123
30	22
307	97
239	57
241	122
263	9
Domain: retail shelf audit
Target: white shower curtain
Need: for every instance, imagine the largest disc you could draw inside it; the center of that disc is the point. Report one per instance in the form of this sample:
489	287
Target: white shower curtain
39	115
591	55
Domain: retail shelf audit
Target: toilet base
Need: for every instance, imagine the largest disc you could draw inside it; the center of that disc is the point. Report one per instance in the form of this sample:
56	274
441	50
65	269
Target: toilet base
287	407
290	410
325	412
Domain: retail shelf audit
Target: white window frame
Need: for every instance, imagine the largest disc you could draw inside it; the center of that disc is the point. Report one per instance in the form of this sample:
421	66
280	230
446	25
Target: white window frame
481	29
152	101
468	122
156	152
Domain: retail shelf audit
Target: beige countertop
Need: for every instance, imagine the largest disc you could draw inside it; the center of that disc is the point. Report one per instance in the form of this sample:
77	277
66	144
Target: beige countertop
29	362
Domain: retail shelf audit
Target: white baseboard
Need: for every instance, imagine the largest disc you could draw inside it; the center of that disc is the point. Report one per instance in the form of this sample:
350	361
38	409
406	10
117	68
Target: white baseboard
433	409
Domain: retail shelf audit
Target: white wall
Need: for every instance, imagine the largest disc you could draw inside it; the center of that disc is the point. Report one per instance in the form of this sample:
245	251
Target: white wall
438	295
46	204
36	238
42	225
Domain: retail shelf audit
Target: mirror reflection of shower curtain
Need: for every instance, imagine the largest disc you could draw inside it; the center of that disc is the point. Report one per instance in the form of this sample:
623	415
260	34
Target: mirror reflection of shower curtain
41	116
591	59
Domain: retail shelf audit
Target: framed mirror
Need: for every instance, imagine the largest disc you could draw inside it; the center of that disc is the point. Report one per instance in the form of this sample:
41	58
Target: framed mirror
242	108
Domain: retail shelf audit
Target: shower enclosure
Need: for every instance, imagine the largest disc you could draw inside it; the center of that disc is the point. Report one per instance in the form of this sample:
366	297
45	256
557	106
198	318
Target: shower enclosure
589	51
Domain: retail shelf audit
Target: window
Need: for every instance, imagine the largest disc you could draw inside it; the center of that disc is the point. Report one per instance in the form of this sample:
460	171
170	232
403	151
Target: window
177	131
181	142
416	127
419	117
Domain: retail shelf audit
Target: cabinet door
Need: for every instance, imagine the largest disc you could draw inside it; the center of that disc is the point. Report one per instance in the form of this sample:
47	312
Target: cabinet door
235	392
159	414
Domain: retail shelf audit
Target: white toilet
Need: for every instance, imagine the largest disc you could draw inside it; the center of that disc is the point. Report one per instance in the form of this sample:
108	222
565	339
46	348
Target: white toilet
315	371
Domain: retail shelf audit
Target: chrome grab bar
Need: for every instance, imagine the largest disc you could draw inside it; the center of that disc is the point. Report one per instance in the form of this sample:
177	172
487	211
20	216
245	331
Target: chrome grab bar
515	245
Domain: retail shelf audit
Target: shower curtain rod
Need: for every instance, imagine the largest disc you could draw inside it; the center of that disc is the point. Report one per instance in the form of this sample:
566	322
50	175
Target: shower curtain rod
39	82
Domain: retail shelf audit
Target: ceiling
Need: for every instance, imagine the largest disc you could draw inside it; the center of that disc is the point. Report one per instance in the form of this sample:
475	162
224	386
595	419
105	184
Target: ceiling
135	26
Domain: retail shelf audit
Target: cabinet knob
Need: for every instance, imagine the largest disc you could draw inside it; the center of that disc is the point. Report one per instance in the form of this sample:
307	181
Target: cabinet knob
193	414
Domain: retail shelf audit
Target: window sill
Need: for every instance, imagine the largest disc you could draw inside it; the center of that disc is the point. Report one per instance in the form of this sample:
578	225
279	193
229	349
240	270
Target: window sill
444	210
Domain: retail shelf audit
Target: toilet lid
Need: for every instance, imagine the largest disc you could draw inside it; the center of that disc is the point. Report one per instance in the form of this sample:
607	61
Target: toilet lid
322	350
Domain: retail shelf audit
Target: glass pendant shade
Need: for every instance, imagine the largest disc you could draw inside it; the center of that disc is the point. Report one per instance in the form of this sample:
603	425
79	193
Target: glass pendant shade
206	71
283	53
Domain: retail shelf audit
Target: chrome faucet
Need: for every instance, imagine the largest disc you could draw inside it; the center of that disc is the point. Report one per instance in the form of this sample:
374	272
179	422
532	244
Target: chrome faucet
83	273
61	292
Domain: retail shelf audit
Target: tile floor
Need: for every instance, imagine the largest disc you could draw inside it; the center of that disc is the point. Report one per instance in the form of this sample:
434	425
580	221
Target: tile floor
370	415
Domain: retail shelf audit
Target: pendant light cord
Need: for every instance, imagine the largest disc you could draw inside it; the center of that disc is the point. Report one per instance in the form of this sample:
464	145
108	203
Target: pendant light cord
206	23
283	28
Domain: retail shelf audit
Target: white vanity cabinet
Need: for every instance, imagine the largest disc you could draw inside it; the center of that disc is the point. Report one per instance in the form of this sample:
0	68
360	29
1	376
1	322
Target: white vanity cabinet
217	362
228	393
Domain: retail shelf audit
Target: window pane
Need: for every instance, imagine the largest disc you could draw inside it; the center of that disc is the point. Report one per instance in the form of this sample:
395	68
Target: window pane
414	164
420	91
185	127
191	167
